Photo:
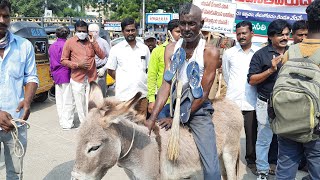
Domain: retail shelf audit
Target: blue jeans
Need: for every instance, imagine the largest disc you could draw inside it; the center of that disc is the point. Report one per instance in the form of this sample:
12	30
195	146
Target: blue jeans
165	112
290	154
264	137
205	138
13	163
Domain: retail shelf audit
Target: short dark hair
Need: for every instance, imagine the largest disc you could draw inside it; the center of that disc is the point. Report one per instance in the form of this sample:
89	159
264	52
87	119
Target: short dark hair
174	23
62	32
185	8
244	24
276	27
80	23
301	24
128	21
4	4
313	13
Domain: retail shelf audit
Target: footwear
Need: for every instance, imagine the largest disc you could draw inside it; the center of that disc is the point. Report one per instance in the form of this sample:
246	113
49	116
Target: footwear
306	178
185	102
177	61
272	170
253	168
193	74
262	176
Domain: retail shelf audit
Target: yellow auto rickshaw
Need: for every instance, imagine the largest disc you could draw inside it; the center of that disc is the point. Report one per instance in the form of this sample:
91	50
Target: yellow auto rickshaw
38	37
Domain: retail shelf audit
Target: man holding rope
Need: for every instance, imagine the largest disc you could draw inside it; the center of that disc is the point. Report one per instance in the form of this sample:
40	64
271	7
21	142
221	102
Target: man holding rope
204	59
18	84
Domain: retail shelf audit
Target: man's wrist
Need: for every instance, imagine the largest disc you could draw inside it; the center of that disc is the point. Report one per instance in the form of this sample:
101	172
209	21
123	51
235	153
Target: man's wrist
270	71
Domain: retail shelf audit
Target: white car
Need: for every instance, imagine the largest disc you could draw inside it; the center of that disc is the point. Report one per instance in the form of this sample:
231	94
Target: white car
119	39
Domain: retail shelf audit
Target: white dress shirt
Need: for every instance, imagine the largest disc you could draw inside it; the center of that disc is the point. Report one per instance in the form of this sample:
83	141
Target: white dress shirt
235	67
130	67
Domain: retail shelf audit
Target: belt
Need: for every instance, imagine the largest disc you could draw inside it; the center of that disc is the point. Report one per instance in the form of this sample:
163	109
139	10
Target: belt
262	98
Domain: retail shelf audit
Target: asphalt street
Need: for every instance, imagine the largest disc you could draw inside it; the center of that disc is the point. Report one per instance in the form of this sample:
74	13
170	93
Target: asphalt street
51	151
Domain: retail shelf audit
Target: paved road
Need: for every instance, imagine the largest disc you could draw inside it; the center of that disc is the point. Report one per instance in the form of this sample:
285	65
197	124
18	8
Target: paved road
51	151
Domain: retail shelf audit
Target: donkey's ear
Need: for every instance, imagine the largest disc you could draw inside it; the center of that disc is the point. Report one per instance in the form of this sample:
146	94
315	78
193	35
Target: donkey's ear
133	100
95	96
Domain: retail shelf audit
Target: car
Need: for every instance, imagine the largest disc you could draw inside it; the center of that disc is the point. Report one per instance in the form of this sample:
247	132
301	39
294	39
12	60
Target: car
119	39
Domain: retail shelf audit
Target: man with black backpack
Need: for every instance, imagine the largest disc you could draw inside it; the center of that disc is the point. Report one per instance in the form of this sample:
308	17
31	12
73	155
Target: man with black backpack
297	111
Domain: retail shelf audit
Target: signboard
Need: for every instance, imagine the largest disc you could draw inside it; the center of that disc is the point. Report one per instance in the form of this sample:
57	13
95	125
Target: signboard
218	16
47	13
158	18
112	26
262	12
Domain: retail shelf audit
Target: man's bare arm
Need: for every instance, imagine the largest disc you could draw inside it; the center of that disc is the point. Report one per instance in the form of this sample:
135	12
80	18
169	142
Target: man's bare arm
30	90
211	62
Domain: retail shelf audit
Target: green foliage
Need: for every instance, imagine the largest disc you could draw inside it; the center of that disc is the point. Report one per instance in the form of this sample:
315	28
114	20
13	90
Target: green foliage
35	8
120	9
132	8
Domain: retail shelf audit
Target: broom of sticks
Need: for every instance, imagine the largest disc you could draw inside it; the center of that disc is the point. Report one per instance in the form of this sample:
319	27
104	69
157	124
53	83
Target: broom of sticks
173	145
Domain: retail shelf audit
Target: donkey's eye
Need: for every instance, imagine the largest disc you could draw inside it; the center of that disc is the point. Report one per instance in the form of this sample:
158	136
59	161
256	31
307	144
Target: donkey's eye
94	148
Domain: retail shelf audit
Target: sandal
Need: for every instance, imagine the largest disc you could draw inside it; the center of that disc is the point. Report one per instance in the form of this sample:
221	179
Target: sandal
177	61
272	170
186	101
193	73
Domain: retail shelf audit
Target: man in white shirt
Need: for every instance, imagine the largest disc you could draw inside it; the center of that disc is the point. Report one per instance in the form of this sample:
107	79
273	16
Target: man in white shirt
128	63
235	66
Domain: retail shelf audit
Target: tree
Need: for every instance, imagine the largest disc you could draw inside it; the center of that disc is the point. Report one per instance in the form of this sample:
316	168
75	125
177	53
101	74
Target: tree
35	8
132	8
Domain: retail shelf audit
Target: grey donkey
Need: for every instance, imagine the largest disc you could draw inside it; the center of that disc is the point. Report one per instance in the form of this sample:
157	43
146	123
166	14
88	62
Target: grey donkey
113	133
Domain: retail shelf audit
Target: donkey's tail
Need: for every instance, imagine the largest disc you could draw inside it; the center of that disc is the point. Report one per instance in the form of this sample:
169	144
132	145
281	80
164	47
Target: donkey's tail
238	164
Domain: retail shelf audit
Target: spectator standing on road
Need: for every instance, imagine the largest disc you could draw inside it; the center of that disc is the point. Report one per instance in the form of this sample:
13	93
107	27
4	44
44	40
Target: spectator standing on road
78	54
235	66
128	63
61	77
291	152
150	41
94	29
18	84
299	31
207	58
156	68
264	67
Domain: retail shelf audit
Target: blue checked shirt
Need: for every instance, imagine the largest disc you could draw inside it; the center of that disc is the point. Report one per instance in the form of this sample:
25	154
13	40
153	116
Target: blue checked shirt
17	68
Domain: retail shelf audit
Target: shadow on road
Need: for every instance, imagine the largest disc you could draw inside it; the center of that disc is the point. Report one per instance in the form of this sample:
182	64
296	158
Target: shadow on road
38	106
61	172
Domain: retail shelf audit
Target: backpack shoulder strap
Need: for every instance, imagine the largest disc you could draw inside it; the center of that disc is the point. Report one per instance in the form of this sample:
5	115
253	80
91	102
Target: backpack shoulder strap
294	52
316	57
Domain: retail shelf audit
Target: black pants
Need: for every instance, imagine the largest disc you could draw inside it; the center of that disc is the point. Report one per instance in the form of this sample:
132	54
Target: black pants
250	127
273	151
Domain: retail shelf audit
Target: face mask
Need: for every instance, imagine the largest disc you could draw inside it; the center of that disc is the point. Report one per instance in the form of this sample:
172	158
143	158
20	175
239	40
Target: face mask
82	35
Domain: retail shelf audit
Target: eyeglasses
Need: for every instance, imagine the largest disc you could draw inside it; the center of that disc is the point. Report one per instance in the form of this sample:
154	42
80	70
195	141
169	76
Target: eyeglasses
82	31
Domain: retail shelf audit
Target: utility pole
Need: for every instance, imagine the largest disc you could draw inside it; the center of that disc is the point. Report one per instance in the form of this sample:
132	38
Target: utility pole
143	15
45	5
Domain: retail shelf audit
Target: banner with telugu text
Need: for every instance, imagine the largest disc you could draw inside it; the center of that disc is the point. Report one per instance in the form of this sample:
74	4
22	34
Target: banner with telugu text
218	16
262	12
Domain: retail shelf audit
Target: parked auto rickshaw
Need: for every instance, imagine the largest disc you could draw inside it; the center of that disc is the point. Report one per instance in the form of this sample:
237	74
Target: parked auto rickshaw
38	37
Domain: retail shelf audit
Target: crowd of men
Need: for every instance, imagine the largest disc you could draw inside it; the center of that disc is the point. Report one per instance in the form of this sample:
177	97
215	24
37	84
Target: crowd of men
249	71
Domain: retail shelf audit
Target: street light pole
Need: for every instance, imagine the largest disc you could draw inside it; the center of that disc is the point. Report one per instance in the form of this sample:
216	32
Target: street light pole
143	15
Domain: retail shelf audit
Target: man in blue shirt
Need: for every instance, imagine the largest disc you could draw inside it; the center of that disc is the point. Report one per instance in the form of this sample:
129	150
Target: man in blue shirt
18	84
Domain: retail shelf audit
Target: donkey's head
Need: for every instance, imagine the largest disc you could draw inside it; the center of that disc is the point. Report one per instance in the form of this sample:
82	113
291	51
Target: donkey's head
100	143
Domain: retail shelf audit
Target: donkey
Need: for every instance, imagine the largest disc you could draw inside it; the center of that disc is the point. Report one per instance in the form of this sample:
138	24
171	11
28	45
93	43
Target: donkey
113	133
